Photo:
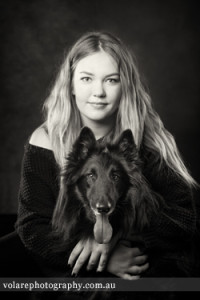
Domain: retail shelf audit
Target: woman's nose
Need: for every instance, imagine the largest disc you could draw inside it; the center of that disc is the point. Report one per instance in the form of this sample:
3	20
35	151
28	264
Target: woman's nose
98	90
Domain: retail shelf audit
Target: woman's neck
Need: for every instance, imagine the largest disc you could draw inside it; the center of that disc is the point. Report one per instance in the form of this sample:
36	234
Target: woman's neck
99	128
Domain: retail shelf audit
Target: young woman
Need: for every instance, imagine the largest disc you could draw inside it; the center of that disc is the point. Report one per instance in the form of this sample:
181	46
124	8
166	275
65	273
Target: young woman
99	86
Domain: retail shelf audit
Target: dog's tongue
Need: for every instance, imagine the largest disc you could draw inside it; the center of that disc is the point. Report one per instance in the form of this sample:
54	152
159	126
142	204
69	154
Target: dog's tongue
102	229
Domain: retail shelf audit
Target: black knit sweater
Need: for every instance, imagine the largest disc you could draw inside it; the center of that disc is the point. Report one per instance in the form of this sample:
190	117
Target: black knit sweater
168	240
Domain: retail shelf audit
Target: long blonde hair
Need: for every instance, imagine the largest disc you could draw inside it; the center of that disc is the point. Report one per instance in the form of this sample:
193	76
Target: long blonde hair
63	121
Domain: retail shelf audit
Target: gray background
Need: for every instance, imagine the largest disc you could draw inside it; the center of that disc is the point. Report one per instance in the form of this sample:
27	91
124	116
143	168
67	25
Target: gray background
34	34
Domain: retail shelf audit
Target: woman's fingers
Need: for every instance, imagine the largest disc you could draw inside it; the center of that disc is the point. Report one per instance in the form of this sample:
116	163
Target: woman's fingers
103	261
137	270
140	260
94	258
99	257
138	251
81	260
75	253
90	249
129	276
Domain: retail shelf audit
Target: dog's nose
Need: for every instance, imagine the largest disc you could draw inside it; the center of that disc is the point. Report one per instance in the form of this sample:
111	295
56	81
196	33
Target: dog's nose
102	208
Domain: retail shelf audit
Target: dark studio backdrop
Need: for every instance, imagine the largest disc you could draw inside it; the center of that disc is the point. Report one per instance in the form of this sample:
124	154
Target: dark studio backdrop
34	34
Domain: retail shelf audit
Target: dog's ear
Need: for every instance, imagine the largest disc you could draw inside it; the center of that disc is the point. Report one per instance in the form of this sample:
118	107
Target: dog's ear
126	145
84	143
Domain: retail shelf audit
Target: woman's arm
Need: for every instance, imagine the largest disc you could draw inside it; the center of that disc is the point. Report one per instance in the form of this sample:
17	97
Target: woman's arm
178	218
171	232
37	195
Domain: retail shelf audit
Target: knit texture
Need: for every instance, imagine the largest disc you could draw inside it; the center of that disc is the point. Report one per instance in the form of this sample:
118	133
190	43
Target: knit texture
167	241
171	237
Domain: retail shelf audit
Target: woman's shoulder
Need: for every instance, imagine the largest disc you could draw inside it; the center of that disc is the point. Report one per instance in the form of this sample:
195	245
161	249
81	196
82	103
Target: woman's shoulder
40	138
38	154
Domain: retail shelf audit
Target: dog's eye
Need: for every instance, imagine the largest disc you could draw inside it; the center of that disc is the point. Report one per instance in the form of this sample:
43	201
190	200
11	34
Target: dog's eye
115	176
90	175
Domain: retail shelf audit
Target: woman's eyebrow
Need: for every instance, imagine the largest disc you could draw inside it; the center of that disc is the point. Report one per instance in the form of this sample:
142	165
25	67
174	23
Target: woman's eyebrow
88	73
91	74
112	74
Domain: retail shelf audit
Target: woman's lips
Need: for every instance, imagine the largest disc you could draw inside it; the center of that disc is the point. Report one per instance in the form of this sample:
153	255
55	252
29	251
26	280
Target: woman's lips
98	104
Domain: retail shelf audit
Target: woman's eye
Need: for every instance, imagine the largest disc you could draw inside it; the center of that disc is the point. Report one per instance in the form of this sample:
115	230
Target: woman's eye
86	79
112	80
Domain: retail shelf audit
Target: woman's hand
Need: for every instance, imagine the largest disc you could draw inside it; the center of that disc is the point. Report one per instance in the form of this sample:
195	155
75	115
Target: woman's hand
90	249
126	262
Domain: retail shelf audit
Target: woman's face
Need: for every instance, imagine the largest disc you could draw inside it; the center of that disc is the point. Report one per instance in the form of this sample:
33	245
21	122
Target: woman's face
97	87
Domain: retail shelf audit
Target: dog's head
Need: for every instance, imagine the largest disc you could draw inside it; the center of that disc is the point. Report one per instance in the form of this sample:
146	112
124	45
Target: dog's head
102	176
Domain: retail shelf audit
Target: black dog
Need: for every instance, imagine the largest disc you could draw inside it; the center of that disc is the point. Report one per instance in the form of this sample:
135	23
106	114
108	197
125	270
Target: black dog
104	191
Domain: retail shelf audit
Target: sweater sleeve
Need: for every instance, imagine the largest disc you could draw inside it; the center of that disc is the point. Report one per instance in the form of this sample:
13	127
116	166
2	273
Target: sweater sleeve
176	222
169	240
37	195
